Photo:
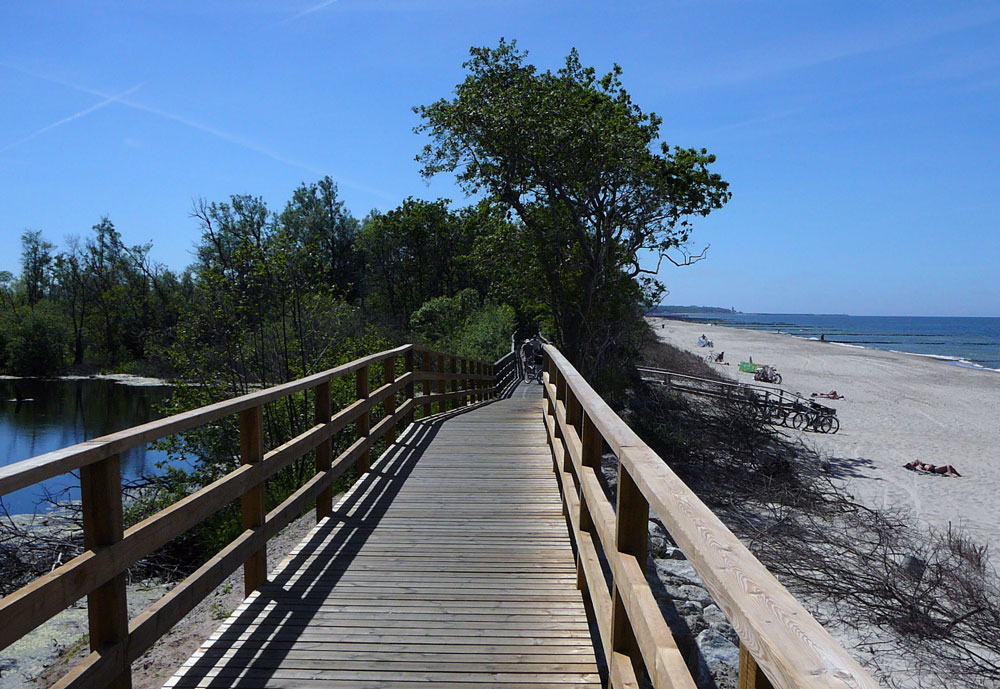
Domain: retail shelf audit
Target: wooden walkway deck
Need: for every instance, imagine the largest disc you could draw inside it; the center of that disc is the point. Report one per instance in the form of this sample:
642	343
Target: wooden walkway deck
449	564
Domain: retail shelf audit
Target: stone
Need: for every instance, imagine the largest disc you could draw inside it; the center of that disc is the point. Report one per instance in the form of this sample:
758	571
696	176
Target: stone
687	592
719	659
672	570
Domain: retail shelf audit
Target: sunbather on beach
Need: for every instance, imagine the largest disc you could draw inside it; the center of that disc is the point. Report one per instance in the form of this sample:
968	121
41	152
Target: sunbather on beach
924	467
832	395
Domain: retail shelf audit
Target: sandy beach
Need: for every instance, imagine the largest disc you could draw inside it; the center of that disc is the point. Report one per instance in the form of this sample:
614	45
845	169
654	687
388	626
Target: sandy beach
897	407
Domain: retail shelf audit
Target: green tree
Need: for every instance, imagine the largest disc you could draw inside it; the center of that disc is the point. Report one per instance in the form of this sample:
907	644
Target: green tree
584	172
71	293
320	235
116	293
36	343
465	325
36	265
414	253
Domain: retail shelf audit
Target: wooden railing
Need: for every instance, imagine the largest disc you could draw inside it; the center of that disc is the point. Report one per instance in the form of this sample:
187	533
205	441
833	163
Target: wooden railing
718	388
508	373
447	383
782	645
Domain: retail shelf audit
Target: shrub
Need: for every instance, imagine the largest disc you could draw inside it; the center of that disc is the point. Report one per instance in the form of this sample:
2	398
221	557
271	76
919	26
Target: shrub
37	342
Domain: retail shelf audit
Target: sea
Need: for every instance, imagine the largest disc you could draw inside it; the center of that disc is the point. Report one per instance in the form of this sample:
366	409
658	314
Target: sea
960	341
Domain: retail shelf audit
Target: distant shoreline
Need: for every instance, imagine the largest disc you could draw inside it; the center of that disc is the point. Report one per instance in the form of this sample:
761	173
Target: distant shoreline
120	378
949	359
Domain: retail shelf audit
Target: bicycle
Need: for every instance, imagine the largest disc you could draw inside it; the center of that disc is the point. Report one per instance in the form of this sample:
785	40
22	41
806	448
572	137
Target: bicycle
533	372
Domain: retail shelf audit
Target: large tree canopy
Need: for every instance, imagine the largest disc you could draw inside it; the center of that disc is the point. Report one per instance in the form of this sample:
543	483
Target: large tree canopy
583	169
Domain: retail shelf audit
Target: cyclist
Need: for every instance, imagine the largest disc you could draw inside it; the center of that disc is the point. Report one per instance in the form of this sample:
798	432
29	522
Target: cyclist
531	357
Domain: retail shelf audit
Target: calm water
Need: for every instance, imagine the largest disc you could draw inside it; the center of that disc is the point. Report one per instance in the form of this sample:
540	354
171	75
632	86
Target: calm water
55	413
972	342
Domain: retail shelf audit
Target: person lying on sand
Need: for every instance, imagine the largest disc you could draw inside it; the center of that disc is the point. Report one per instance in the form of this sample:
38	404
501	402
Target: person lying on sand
923	467
832	395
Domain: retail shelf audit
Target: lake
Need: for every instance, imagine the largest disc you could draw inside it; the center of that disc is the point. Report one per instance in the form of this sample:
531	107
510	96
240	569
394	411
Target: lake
38	416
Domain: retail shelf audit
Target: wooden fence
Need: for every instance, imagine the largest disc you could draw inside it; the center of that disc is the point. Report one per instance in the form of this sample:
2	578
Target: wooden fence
99	573
782	645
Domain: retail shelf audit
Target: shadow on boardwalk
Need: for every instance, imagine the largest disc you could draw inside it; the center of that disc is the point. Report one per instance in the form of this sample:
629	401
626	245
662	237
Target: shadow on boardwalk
459	572
250	646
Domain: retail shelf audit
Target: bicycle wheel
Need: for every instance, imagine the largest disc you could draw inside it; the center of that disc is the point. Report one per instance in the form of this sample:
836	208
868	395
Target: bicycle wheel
777	379
834	424
824	424
800	420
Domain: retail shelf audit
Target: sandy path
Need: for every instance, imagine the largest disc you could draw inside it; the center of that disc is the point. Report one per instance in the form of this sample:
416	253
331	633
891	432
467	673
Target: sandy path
898	407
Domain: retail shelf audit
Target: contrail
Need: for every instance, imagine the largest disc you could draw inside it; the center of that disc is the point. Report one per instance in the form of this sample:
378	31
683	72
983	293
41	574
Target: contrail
309	10
108	100
218	133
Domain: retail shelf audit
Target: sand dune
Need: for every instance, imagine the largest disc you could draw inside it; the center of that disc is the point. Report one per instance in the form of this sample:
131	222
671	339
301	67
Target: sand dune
898	407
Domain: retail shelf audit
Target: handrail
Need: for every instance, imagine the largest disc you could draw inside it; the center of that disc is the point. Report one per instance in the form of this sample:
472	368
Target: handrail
447	383
782	645
766	390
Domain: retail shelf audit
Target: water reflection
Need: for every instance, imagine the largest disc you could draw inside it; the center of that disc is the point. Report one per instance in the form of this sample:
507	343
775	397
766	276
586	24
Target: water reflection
38	416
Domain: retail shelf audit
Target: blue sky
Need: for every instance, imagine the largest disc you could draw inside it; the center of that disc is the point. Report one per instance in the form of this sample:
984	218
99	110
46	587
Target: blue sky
861	139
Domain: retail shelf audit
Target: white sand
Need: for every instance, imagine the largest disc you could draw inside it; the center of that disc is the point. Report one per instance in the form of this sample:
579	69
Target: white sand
898	407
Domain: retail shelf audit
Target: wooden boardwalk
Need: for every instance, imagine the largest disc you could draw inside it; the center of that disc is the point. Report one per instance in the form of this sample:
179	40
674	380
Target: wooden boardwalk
450	564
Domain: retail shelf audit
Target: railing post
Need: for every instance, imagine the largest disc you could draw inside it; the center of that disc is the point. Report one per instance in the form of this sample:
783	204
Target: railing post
465	382
324	501
453	367
252	502
751	676
107	607
473	381
410	390
592	447
389	376
551	410
425	365
442	385
632	538
363	423
573	421
479	381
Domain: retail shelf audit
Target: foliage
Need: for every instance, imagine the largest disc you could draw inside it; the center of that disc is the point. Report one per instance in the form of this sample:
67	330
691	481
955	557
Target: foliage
36	259
464	325
36	342
572	157
414	253
321	235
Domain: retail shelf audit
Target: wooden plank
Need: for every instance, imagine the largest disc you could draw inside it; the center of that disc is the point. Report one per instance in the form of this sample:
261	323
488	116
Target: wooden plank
363	423
324	503
252	502
389	375
465	577
408	364
632	538
107	607
425	366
